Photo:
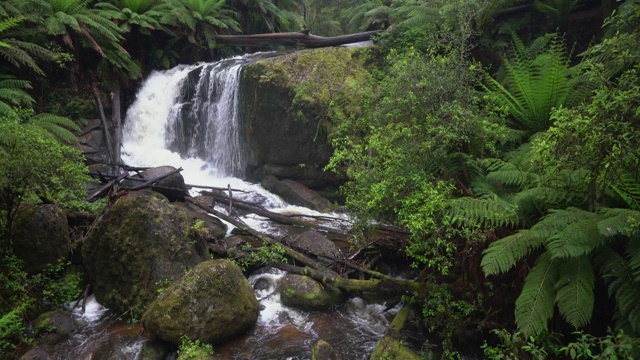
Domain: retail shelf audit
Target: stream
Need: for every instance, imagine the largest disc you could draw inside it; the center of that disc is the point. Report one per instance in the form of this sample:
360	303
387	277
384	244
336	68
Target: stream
212	155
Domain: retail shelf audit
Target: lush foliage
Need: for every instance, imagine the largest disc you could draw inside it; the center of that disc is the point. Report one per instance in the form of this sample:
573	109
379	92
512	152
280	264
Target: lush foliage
193	350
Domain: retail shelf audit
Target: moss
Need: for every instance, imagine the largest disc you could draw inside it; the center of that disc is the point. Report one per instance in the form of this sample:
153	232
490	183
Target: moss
138	243
389	348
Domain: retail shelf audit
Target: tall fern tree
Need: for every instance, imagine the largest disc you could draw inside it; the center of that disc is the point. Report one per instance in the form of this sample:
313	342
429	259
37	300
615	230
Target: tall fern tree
538	79
573	242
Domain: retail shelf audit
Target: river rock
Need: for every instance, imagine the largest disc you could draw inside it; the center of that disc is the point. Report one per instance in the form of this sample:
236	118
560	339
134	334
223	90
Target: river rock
296	193
154	350
389	348
212	303
315	243
40	236
302	292
322	350
55	326
138	245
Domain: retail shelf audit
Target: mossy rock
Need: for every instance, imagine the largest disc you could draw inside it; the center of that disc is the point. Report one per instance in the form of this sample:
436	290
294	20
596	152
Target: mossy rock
54	326
288	105
302	292
40	236
389	348
137	246
212	303
322	350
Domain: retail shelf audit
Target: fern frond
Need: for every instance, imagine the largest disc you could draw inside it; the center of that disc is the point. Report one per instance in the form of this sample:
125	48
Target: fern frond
623	285
619	221
503	254
578	238
60	127
486	212
534	306
628	188
574	290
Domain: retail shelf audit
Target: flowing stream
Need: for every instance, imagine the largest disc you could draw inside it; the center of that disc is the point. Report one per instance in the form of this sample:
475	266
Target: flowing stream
211	154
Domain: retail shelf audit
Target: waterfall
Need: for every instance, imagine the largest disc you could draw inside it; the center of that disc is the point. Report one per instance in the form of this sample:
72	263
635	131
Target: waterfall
205	124
169	114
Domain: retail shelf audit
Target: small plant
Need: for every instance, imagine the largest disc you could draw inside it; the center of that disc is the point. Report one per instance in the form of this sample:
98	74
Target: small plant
266	254
193	350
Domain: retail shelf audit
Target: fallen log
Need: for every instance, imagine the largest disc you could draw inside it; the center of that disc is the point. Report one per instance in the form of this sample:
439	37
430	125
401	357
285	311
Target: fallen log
283	219
293	254
382	287
301	38
104	189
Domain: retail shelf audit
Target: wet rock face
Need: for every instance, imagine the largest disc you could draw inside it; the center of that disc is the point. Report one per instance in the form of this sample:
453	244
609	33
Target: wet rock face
302	292
315	243
40	236
296	193
139	245
212	303
286	102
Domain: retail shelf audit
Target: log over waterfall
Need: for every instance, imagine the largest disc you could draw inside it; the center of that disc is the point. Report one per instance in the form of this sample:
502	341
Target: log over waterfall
301	38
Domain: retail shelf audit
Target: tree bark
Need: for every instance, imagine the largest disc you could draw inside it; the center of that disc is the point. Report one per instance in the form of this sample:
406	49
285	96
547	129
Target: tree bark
103	120
302	38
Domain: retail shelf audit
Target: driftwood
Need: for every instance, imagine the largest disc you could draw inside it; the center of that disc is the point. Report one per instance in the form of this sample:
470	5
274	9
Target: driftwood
104	189
302	38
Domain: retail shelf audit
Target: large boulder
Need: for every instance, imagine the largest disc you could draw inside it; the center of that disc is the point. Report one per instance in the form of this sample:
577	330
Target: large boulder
40	236
315	243
137	246
302	292
296	193
212	304
287	102
389	348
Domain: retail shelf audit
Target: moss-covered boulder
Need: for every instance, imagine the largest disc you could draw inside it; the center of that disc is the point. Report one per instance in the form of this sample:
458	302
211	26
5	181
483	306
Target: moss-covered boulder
287	106
389	348
302	292
137	246
171	183
212	303
40	236
322	350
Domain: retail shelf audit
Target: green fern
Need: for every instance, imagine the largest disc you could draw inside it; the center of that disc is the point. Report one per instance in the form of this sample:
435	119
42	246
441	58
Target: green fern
487	212
12	93
628	188
624	287
535	305
574	290
534	85
59	127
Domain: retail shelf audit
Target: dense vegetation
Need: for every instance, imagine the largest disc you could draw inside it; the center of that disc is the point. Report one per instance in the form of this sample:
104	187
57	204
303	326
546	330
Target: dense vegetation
504	134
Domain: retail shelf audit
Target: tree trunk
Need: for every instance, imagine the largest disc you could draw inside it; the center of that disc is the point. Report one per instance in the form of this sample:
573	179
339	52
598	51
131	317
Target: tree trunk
117	121
302	38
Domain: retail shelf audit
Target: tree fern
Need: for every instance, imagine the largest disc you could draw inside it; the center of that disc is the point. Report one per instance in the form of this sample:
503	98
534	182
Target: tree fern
628	188
487	212
535	305
574	290
533	86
